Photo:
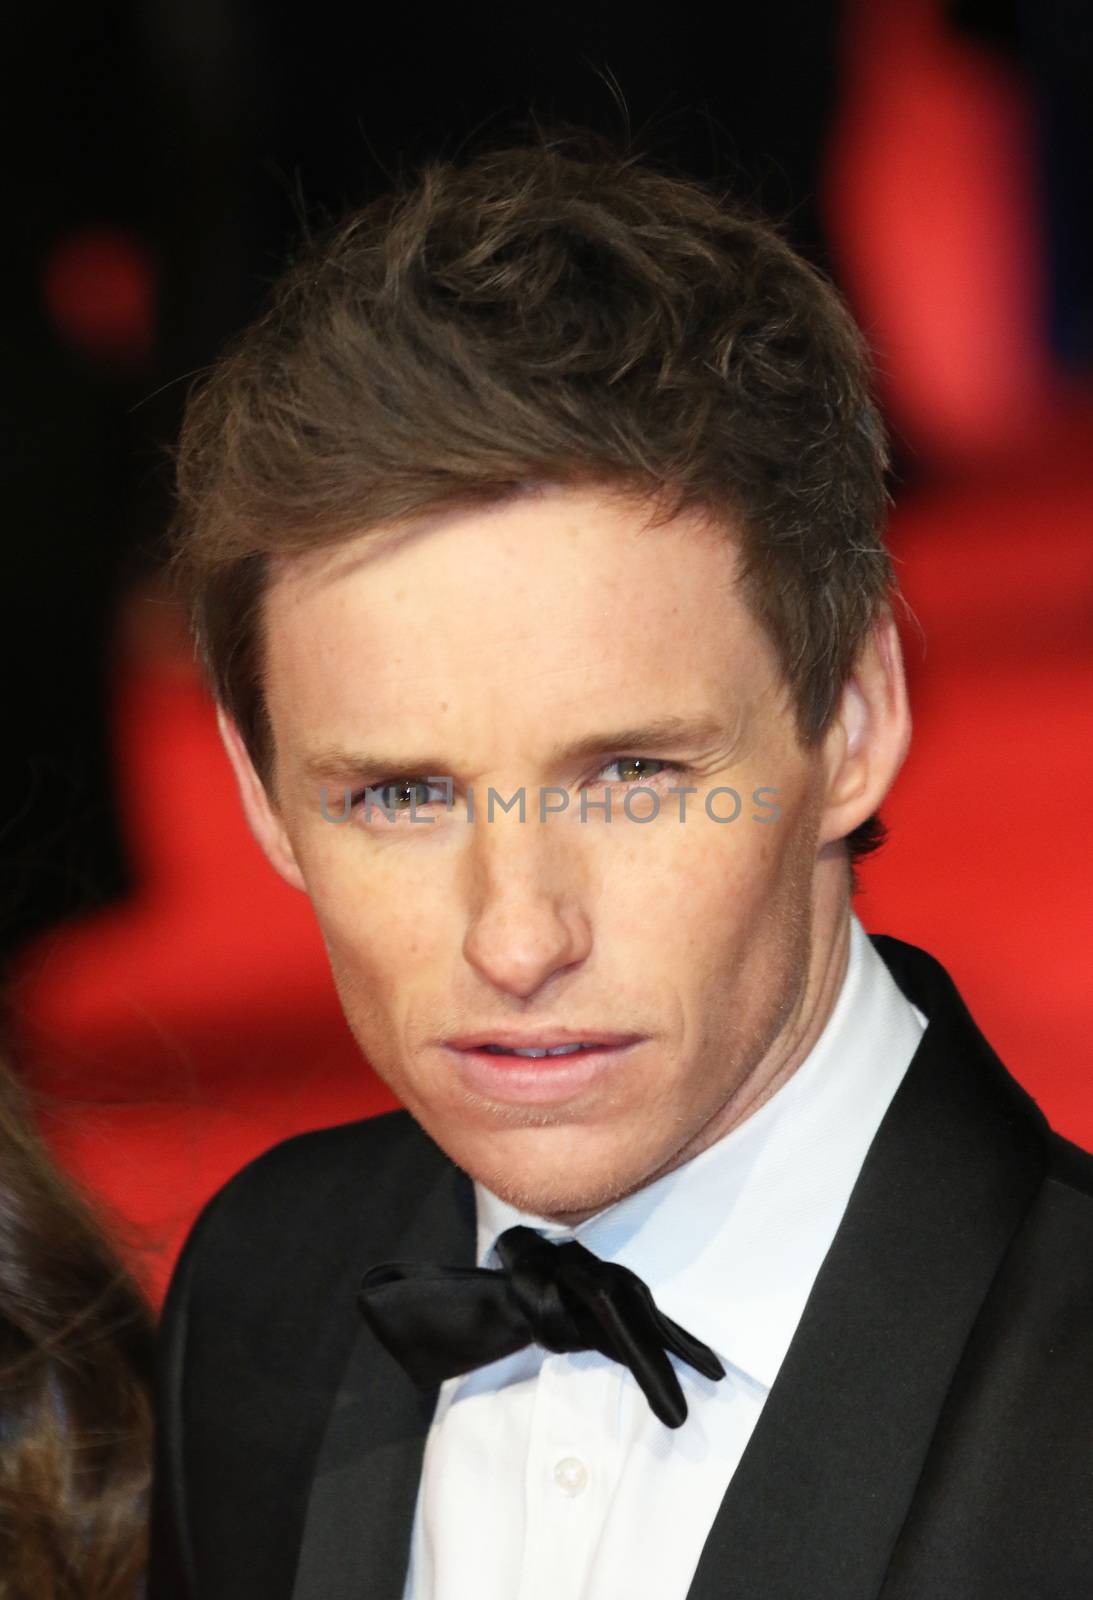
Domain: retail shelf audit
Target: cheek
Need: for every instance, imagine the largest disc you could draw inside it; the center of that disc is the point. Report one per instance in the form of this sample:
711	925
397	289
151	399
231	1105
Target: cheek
724	912
379	914
693	888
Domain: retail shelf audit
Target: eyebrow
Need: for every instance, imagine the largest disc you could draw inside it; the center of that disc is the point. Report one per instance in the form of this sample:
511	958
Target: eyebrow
335	761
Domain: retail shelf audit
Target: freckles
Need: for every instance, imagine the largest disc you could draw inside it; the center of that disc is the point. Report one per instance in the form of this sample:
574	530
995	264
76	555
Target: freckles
395	933
411	947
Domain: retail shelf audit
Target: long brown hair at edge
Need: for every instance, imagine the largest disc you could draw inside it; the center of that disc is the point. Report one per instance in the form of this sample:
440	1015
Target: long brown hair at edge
75	1374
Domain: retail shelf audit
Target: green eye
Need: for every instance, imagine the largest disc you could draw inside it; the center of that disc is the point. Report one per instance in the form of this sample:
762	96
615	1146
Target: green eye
632	769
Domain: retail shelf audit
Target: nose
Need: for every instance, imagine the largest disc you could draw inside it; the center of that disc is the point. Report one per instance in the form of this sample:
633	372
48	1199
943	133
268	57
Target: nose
528	920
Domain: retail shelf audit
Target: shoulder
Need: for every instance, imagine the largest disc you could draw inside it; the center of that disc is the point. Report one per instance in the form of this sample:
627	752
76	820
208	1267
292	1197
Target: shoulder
1047	1278
304	1174
1070	1175
303	1209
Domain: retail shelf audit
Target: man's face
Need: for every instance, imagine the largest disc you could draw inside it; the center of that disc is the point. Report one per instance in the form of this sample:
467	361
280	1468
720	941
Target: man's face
526	647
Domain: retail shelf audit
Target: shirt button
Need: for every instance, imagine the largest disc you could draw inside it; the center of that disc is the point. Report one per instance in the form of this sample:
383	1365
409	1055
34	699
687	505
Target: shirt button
571	1475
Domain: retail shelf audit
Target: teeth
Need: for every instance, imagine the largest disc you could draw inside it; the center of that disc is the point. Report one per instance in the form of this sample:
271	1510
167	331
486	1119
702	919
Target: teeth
535	1055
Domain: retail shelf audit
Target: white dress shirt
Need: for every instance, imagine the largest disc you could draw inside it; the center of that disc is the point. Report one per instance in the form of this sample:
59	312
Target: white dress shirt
547	1477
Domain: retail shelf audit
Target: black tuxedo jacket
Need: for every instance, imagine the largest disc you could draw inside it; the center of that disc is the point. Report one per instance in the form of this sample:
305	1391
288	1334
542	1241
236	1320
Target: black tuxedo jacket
929	1435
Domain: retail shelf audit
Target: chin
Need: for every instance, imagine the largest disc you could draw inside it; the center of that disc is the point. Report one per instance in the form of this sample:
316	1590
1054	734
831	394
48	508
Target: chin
547	1174
564	1202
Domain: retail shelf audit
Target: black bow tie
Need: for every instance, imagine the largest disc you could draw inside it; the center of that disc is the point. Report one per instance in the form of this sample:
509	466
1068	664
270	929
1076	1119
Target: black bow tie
439	1322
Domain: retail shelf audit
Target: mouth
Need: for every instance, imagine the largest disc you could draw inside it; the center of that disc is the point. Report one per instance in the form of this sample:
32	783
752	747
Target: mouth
538	1069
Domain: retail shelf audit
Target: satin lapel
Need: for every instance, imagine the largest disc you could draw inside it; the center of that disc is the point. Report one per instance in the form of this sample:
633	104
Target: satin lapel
360	1512
824	1486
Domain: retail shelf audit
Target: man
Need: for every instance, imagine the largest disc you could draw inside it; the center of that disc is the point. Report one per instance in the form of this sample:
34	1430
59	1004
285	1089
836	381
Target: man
533	539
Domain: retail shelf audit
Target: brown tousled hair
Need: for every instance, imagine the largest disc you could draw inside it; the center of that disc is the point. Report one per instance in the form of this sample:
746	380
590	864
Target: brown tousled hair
76	1342
563	313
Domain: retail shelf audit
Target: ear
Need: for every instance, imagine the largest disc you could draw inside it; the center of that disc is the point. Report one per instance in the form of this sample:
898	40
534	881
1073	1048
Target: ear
263	819
868	738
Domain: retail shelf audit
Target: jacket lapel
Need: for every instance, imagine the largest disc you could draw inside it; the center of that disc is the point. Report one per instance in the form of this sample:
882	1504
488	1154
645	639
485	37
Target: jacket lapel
824	1486
359	1518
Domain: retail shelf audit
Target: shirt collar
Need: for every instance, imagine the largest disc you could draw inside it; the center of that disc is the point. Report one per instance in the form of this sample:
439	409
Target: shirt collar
731	1242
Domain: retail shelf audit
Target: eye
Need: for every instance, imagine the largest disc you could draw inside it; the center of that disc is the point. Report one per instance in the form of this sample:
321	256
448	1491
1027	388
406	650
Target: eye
636	769
400	794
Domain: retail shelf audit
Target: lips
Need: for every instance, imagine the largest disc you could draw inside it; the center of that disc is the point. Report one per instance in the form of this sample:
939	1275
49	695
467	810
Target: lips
535	1053
513	1039
541	1068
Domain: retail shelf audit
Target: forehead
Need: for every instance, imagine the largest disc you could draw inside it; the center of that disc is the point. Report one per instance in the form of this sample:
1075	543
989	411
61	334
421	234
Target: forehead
509	621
